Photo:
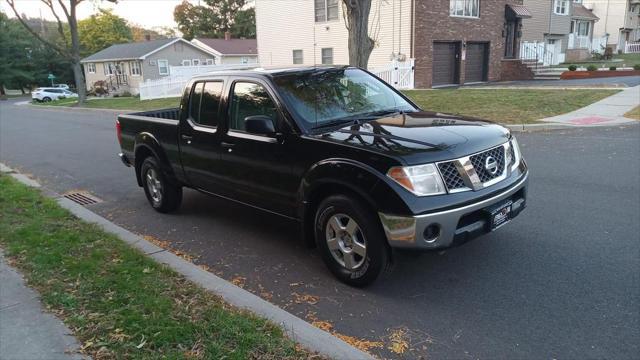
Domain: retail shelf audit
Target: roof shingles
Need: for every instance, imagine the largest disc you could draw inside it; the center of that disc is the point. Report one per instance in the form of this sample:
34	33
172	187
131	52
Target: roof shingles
232	46
127	51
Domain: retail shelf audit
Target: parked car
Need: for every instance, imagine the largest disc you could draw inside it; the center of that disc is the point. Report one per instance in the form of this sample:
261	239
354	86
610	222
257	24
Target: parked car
361	167
49	94
61	86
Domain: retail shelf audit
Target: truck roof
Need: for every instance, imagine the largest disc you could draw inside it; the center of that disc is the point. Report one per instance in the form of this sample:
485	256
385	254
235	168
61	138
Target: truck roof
271	72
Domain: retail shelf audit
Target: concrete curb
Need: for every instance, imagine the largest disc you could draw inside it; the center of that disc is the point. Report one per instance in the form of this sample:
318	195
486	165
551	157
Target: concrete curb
68	108
297	329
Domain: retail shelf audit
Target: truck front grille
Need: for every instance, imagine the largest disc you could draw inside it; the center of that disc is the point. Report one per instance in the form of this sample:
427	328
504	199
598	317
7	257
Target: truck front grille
451	175
471	173
479	161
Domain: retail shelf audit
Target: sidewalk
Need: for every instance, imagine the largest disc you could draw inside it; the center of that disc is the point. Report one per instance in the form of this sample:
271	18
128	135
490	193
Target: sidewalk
609	111
26	331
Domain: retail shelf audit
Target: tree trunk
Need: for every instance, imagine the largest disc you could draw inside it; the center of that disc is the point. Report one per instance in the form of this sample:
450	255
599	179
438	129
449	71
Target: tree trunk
75	54
357	22
2	93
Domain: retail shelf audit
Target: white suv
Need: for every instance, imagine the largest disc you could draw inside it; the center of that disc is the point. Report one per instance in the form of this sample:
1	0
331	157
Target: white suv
48	94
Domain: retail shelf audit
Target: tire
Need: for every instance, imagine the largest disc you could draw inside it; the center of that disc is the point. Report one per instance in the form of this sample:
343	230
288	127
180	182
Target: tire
46	99
163	196
358	252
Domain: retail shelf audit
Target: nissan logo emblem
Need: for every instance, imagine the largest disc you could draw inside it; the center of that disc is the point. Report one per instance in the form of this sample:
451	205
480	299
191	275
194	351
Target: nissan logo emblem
491	165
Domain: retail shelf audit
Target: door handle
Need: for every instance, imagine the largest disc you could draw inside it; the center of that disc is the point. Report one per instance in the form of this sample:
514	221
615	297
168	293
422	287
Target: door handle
227	145
187	137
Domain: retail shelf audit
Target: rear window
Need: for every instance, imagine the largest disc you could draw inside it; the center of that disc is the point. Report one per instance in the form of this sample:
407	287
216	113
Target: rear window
205	103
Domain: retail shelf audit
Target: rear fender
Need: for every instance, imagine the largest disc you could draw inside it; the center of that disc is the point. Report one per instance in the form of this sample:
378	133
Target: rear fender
147	145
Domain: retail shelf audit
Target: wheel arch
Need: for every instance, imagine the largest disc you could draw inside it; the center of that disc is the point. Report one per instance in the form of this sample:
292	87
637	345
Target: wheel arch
147	145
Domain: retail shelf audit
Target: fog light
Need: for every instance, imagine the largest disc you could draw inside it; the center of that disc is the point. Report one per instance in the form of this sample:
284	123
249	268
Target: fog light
431	233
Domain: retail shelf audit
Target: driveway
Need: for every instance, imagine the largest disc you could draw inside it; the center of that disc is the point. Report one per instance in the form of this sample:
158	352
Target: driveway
561	281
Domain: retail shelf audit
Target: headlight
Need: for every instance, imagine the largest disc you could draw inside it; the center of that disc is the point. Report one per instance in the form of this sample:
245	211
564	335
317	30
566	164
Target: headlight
422	180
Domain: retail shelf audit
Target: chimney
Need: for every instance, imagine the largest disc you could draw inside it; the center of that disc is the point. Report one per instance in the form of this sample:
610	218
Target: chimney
147	37
227	35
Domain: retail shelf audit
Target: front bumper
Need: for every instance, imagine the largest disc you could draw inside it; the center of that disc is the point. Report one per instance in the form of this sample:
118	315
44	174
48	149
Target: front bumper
450	227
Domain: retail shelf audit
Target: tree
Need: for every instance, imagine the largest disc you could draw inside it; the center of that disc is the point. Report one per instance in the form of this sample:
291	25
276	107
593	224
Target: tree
24	61
101	31
214	18
357	22
70	48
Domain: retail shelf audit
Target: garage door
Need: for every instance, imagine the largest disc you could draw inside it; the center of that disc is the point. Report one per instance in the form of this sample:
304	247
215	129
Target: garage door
445	69
476	62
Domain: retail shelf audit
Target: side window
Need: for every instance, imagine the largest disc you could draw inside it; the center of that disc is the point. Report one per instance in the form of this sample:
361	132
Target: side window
204	103
250	99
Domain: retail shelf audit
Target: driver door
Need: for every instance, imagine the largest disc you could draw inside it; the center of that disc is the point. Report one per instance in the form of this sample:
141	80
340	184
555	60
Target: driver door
258	166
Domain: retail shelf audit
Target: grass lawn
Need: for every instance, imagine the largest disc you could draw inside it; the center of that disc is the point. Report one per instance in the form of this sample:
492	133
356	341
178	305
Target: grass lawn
119	303
628	59
507	106
634	114
124	103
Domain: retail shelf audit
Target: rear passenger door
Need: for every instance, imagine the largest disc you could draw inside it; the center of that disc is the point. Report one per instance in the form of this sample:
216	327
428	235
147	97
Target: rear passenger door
258	166
200	138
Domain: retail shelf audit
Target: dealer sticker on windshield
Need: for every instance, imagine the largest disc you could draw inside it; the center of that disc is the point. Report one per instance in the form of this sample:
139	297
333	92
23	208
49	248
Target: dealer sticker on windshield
500	215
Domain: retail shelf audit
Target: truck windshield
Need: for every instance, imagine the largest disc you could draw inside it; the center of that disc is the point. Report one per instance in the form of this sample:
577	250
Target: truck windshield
333	96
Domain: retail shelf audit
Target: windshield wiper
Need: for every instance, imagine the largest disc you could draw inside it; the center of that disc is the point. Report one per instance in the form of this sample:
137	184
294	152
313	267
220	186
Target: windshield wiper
336	122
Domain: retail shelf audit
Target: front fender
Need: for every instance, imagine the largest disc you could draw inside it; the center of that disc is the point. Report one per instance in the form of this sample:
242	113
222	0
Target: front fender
365	181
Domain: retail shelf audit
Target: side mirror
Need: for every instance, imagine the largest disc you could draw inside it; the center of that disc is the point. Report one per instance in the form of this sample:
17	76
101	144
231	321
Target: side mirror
259	124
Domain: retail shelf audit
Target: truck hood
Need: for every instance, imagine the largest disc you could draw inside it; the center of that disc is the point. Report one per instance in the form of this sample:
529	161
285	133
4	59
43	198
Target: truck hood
421	137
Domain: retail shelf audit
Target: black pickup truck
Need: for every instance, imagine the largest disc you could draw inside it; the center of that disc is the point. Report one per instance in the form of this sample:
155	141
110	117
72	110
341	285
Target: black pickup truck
356	163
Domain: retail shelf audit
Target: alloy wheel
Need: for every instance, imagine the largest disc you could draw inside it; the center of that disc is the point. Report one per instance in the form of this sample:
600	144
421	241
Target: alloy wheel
346	241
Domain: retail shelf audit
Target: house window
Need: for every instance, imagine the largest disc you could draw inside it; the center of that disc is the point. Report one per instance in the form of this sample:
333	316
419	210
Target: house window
326	10
91	68
195	62
464	8
581	28
327	56
186	62
561	7
109	68
210	62
297	57
134	68
163	67
244	60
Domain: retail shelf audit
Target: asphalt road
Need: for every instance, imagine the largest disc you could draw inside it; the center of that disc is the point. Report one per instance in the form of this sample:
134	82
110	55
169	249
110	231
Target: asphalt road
561	281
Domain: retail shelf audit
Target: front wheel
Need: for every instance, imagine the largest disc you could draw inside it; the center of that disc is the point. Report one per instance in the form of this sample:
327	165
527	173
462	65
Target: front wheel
163	196
351	240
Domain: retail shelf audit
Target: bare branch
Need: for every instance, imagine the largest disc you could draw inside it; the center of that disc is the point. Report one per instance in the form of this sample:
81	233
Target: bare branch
49	3
52	45
64	8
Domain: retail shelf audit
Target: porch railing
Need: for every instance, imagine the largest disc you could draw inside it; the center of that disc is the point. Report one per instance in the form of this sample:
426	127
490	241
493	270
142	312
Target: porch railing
540	52
632	47
579	42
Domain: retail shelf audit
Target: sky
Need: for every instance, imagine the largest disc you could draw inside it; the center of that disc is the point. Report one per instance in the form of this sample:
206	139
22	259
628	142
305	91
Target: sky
148	13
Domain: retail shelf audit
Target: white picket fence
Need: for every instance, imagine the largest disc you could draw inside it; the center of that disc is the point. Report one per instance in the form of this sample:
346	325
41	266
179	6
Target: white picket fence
173	84
632	47
398	74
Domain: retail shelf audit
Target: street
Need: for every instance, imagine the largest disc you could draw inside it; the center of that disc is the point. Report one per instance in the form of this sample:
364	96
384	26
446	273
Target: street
560	281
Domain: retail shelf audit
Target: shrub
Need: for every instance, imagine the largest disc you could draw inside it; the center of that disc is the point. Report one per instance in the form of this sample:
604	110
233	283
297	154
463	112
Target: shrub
592	68
99	91
573	68
636	67
613	68
116	95
126	94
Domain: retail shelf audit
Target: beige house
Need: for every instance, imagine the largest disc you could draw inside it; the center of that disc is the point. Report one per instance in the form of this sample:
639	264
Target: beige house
124	66
230	51
309	32
619	21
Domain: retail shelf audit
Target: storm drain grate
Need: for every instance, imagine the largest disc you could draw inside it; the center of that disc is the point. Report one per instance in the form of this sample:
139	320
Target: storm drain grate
82	197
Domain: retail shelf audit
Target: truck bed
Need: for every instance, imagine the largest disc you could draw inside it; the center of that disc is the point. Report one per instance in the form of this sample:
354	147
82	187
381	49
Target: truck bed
171	113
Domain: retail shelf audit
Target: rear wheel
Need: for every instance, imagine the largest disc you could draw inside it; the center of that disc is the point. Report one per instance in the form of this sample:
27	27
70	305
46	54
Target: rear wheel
163	196
46	99
352	243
